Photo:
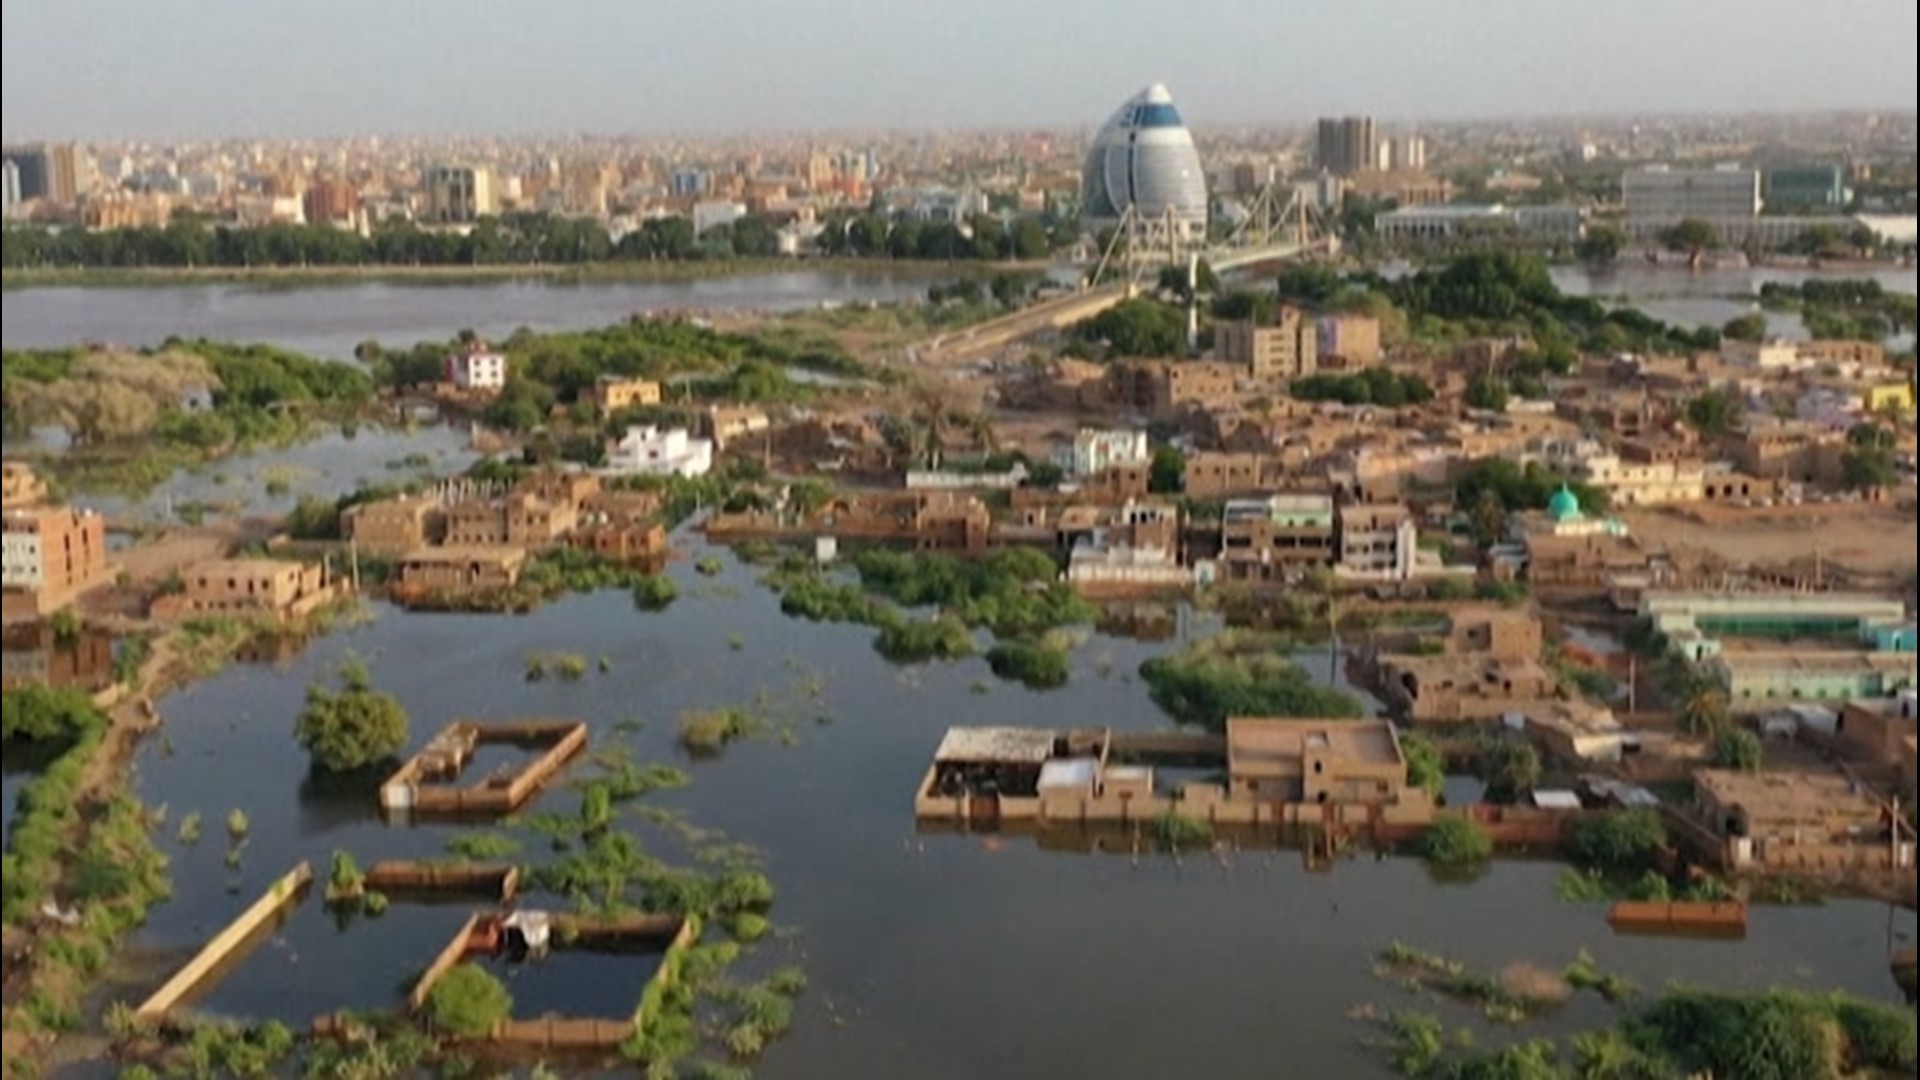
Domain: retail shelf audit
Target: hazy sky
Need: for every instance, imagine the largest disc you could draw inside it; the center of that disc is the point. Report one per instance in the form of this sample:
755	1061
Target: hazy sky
169	68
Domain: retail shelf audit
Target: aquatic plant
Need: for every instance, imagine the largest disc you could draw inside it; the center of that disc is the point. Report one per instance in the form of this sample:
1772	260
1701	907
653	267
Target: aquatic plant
1178	832
237	824
707	732
654	592
1038	665
352	727
1237	673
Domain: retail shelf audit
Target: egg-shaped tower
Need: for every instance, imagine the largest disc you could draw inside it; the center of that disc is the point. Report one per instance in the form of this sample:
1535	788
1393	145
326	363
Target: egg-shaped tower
1144	158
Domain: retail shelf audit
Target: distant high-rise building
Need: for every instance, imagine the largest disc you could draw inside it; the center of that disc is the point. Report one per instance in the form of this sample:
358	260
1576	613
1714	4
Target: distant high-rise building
1659	196
1408	153
1143	159
9	186
689	183
1347	145
56	172
460	194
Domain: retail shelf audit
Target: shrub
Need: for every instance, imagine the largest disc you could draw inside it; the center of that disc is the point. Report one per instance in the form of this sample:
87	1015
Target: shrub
707	732
1036	664
1455	842
1618	841
1175	831
1238	674
468	1001
1738	748
655	592
352	727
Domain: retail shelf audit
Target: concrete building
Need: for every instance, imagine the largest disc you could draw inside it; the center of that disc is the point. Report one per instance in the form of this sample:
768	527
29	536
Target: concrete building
1376	541
1217	475
51	554
454	569
1754	678
726	423
1698	623
331	202
1143	162
9	187
476	368
1457	221
653	451
459	194
392	527
1095	451
1315	762
1348	341
713	213
1801	188
1158	387
1287	349
1272	539
612	393
520	519
1658	196
1134	545
249	588
1808	823
1407	153
1347	145
58	172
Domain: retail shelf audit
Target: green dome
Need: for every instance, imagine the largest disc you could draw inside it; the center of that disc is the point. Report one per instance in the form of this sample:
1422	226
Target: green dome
1565	505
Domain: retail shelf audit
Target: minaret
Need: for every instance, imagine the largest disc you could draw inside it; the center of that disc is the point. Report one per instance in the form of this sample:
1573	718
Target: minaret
1193	304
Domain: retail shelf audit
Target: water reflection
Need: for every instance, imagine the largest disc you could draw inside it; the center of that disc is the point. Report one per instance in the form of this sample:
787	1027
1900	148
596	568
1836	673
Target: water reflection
42	654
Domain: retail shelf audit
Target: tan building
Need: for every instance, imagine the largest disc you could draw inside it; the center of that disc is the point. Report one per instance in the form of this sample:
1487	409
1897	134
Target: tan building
1349	341
1315	762
52	554
612	393
20	486
455	568
1217	475
392	527
726	423
1272	539
520	519
1157	387
1834	351
1798	822
1465	688
1880	732
1286	350
1497	632
269	588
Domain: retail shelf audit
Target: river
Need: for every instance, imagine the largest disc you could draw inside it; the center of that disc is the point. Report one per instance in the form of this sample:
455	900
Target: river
941	957
330	319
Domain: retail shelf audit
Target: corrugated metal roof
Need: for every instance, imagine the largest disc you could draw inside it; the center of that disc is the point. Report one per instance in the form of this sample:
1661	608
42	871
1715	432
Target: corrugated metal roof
995	744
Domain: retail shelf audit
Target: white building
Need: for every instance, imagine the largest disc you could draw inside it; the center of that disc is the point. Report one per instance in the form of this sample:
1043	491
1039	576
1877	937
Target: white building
9	186
650	451
21	564
1377	541
477	367
1095	451
714	213
1658	196
1448	221
460	194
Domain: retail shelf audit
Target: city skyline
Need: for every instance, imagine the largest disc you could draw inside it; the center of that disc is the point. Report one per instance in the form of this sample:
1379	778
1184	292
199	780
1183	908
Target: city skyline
484	69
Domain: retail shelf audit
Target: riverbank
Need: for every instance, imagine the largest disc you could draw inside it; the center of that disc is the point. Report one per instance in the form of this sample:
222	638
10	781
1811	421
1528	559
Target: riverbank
553	273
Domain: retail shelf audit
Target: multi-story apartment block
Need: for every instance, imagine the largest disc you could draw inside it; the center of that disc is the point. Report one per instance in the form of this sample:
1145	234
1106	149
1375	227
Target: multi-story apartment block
51	554
1285	350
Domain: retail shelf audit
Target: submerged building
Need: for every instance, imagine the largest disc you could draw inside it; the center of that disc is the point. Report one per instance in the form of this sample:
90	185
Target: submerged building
1144	160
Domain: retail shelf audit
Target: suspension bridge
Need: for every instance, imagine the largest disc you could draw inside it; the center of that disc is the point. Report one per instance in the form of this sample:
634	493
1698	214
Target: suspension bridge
1280	225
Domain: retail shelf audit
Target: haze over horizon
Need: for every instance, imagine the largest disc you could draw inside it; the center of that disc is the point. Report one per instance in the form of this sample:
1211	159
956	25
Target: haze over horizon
108	69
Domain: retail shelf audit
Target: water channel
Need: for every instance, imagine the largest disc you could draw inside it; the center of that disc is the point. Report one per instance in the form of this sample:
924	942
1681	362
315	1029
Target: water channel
931	955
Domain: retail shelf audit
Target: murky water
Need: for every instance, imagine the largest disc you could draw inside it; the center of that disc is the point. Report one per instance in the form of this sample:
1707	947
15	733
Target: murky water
329	320
938	956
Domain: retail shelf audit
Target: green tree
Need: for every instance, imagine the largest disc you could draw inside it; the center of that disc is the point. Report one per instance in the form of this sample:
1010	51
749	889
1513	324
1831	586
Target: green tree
351	727
1455	842
1739	749
1138	327
1749	327
1488	391
1714	413
1511	768
1617	841
1600	244
1168	471
1426	769
1868	461
1691	235
468	1001
44	714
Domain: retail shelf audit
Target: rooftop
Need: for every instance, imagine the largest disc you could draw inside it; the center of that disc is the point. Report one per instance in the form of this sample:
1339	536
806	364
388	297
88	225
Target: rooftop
1256	743
982	745
466	553
1810	796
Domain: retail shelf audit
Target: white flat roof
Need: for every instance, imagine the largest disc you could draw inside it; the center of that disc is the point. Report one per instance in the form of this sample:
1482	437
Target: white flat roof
995	744
1556	800
1068	773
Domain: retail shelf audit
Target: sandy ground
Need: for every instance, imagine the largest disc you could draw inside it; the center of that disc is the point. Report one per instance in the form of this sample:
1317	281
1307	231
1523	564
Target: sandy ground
1876	539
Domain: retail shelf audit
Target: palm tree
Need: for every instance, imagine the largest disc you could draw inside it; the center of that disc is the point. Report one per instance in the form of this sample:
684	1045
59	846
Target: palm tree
1704	711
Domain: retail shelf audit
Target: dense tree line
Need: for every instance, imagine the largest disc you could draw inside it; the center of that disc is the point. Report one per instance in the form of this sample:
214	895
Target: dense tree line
511	239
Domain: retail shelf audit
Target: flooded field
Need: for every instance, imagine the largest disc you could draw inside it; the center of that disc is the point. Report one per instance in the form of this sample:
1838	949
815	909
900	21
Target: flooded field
929	955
